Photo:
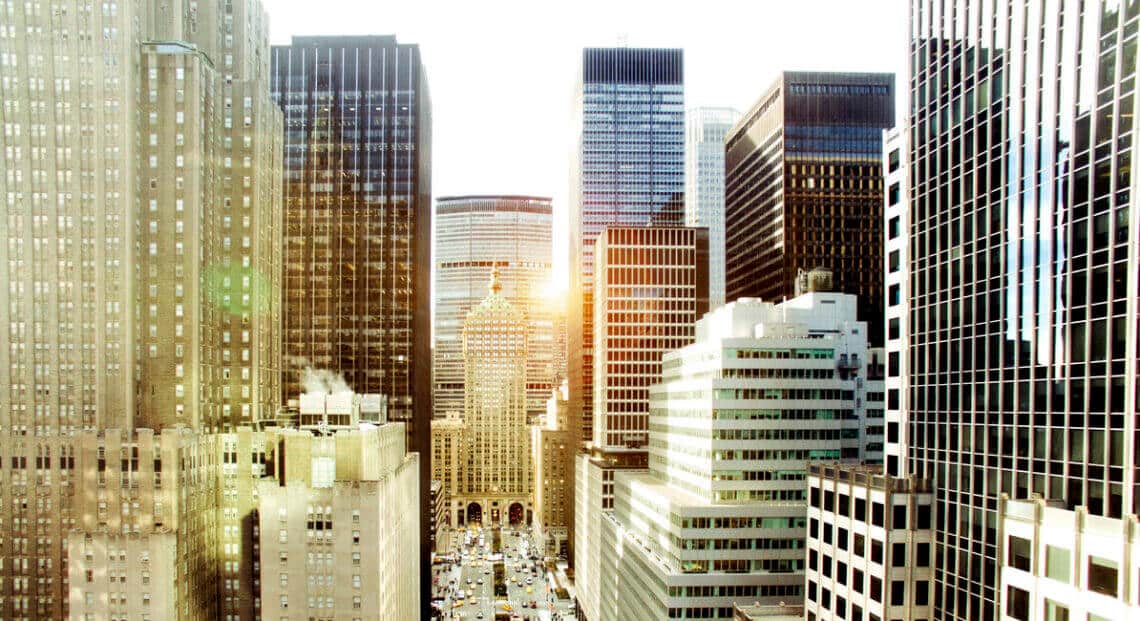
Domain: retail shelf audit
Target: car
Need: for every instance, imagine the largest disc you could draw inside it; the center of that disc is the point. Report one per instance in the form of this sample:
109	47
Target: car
479	581
530	580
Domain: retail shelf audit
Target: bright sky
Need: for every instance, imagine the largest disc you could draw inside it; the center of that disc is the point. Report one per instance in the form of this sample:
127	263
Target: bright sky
502	72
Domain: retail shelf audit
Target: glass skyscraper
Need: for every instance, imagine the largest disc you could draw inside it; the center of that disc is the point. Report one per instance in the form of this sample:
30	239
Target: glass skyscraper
628	171
357	284
1020	375
803	188
704	185
475	234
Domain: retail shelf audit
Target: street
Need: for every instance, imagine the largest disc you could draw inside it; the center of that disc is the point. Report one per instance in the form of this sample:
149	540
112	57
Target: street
470	580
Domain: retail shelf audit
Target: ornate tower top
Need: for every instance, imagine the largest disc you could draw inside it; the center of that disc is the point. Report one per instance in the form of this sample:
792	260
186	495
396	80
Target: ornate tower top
496	284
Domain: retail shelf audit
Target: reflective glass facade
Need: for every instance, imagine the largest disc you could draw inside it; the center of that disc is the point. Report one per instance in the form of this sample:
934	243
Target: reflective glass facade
704	185
628	170
357	285
1022	354
473	235
803	188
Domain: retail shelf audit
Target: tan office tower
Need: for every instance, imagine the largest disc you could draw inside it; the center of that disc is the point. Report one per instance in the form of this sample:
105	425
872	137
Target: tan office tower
474	233
144	541
141	201
340	528
495	486
551	456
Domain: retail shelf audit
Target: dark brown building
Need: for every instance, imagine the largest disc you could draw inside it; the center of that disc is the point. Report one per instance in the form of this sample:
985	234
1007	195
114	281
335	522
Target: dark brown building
357	287
804	189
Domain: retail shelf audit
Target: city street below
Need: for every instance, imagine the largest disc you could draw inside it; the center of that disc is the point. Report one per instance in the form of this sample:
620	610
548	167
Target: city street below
464	582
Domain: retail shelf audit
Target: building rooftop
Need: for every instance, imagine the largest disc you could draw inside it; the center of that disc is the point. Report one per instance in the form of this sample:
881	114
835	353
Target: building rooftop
869	475
779	612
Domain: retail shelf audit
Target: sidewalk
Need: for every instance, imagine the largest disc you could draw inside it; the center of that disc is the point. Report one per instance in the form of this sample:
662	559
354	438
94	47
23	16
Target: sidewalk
559	579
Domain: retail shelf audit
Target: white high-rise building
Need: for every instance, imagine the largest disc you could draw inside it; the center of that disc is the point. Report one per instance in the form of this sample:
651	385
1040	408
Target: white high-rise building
869	546
705	129
720	516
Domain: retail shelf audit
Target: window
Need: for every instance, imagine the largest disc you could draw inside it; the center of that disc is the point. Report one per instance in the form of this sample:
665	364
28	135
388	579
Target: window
1058	562
922	555
1017	604
898	554
877	513
898	512
894	261
921	593
1019	553
894	194
1056	612
894	227
898	593
923	516
876	552
894	296
1102	576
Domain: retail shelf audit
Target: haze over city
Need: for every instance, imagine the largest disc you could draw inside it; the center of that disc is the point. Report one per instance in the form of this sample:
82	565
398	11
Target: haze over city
500	71
618	310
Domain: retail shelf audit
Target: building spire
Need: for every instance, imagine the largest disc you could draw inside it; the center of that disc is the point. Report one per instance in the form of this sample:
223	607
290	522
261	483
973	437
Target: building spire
496	285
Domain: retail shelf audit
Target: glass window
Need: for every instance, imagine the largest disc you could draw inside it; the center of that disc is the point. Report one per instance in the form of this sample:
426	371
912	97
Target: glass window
1102	576
898	554
1055	611
898	593
1017	604
1020	551
922	555
1057	563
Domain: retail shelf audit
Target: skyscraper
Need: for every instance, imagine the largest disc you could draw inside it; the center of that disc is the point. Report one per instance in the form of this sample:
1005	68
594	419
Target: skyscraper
720	516
141	255
496	481
628	170
358	226
650	288
704	185
803	188
473	235
186	142
1022	271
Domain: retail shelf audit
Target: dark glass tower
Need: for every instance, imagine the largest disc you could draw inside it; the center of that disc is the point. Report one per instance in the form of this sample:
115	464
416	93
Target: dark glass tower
1020	375
803	188
357	293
